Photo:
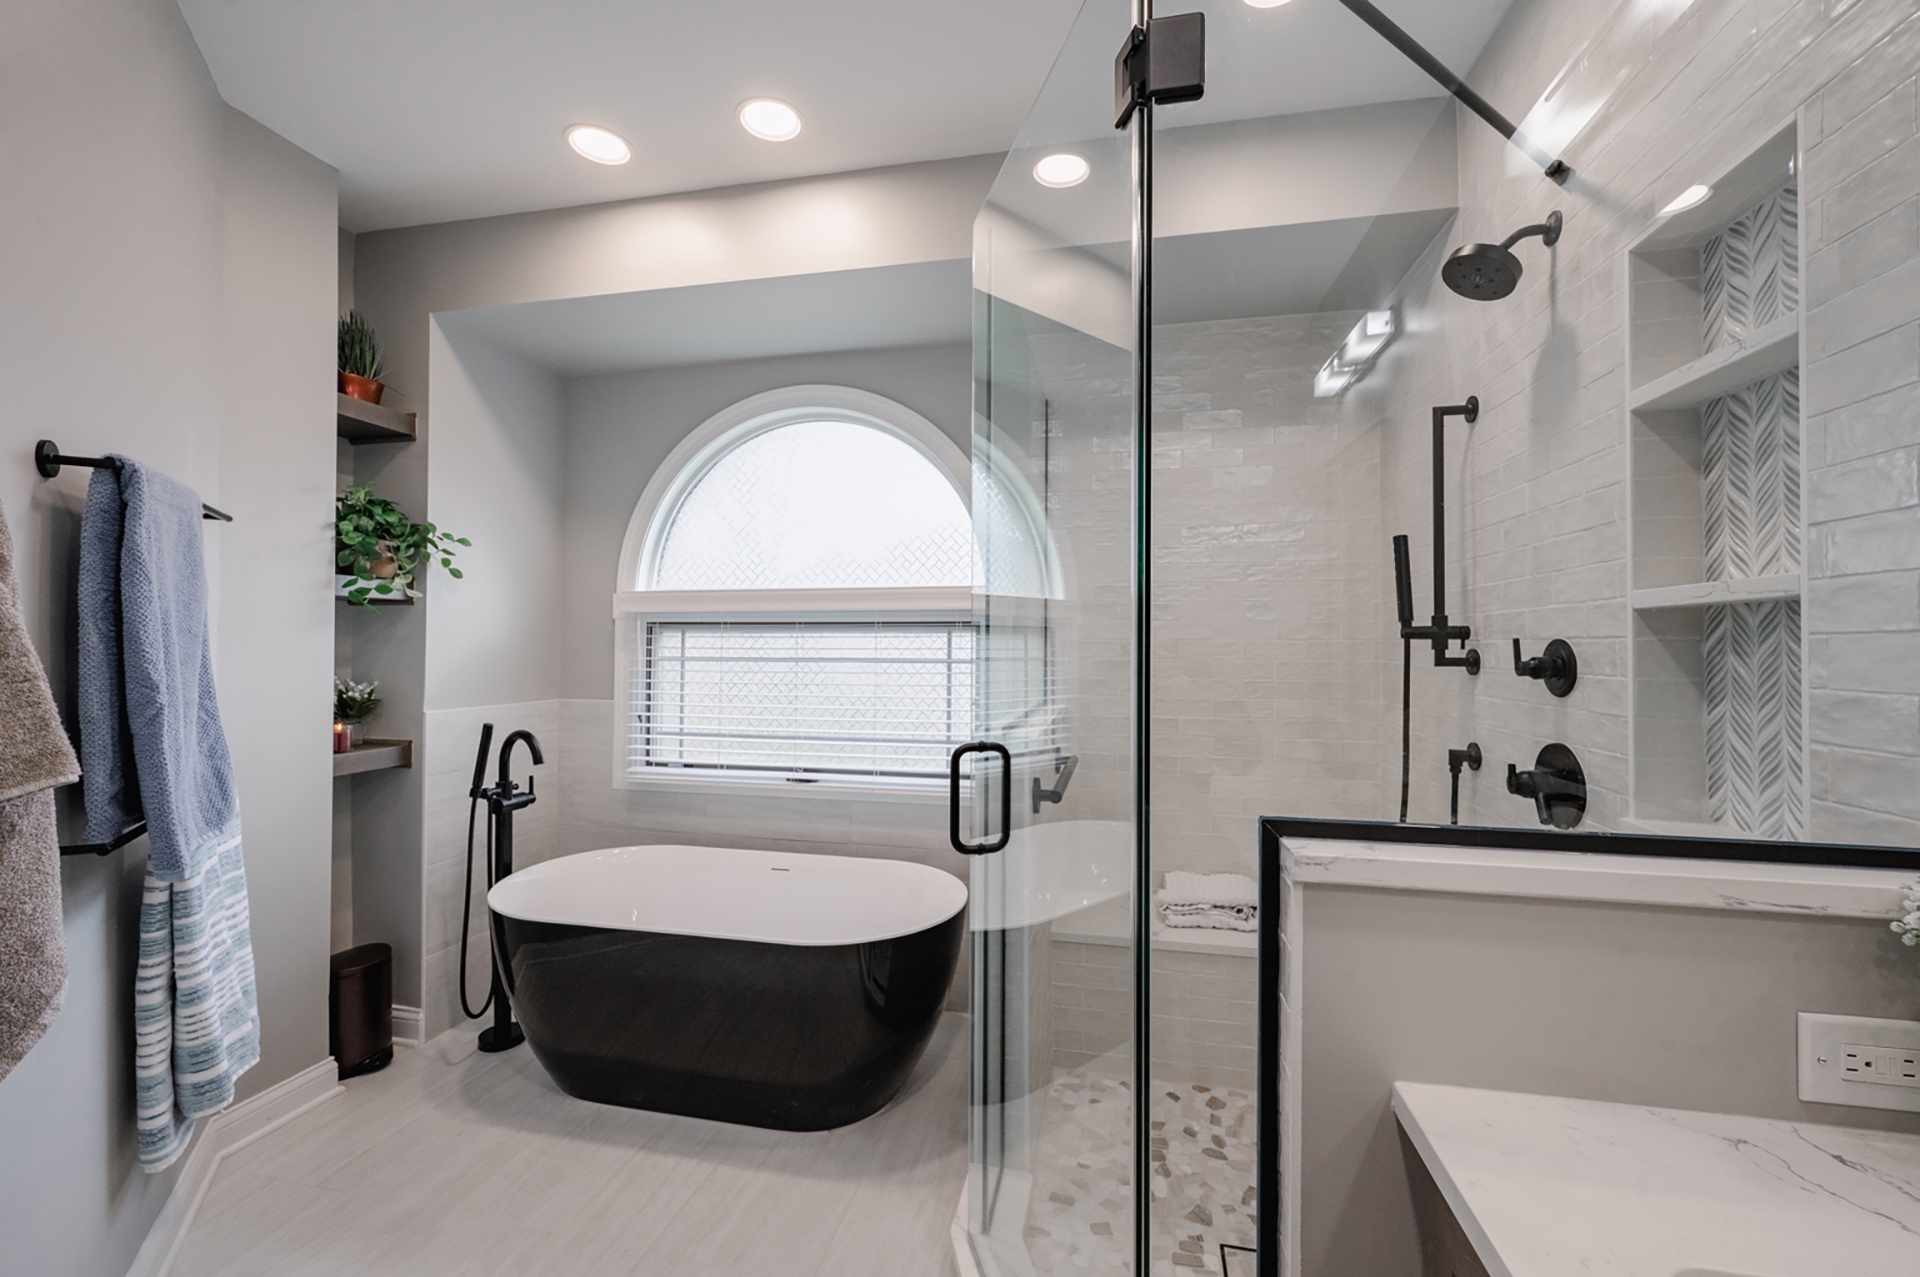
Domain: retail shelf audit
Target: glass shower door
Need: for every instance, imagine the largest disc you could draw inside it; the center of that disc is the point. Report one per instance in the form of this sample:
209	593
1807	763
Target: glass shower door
1051	794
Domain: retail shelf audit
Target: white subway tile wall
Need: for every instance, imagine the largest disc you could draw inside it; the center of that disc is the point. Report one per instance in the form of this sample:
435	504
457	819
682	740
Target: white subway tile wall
1537	486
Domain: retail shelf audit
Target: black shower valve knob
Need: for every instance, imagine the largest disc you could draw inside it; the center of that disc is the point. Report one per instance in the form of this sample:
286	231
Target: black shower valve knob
1557	667
1557	784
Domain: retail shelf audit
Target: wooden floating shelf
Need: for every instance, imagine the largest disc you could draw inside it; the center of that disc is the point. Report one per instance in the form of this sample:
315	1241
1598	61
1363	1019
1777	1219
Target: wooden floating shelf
373	756
1774	348
1755	589
340	592
363	422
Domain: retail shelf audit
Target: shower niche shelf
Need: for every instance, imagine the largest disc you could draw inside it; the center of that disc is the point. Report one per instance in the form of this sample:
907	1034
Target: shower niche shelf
358	421
1714	333
1752	589
1772	348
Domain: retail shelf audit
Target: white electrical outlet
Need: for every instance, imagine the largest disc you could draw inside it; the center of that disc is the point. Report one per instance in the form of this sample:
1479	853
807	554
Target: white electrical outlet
1851	1059
1885	1065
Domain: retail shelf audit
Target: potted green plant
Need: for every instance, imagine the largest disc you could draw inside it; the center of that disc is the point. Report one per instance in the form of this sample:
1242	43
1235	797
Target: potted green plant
380	548
360	359
353	704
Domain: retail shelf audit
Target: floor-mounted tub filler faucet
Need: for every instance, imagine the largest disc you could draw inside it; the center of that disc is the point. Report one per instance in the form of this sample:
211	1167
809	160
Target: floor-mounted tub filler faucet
502	799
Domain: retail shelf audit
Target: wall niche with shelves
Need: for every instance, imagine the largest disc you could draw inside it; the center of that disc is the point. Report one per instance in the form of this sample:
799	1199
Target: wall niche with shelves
1713	417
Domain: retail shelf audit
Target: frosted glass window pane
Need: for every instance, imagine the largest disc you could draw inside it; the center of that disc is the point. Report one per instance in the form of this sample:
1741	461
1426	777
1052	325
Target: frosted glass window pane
818	505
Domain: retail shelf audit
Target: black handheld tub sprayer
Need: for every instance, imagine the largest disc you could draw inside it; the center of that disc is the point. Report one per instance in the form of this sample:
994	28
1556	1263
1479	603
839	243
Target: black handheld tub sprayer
502	800
1403	597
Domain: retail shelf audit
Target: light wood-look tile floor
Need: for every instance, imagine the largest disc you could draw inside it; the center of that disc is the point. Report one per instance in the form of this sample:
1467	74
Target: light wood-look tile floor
450	1163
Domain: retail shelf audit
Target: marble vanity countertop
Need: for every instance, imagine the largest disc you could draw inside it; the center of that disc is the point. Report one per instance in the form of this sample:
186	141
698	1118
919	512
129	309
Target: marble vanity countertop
1549	1187
1810	890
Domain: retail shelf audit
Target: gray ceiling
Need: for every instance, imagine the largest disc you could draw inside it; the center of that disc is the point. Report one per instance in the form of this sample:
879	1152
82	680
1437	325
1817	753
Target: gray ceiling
915	305
1349	264
437	110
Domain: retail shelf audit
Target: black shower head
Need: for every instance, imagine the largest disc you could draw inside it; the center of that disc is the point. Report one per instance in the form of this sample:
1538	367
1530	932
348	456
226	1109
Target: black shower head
1488	272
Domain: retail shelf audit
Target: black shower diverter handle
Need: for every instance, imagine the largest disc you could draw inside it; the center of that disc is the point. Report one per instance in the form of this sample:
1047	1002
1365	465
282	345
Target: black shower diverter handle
1557	667
1557	784
1541	787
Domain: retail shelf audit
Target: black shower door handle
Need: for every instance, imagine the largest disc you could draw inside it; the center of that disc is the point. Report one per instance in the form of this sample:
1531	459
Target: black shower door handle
953	798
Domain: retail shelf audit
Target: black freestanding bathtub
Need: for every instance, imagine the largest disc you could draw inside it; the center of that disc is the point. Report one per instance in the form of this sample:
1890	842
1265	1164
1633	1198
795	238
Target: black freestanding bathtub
766	988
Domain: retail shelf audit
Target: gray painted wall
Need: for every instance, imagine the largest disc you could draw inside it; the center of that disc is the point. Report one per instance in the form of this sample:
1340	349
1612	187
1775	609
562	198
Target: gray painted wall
496	480
1677	1008
403	279
173	304
275	652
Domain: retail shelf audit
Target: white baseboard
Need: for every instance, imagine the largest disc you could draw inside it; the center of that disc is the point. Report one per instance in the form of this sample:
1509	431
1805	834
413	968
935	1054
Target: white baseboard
408	1025
227	1131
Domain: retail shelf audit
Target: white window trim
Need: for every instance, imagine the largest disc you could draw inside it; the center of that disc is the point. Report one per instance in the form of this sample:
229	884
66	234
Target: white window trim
634	605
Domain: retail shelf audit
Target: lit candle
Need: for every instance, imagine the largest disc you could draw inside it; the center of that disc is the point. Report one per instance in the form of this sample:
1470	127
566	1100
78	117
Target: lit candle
342	738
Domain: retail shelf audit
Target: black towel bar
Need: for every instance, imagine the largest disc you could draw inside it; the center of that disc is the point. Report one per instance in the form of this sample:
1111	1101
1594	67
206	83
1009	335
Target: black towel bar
47	459
119	840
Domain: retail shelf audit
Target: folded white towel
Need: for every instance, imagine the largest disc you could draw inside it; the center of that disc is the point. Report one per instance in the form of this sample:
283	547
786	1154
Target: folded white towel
1235	918
1208	889
1221	902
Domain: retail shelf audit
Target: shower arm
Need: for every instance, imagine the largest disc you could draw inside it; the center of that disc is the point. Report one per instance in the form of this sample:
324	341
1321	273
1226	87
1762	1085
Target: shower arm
1439	631
1555	169
1548	231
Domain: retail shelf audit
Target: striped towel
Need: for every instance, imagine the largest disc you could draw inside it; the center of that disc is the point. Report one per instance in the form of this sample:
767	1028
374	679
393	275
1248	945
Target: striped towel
150	735
1222	902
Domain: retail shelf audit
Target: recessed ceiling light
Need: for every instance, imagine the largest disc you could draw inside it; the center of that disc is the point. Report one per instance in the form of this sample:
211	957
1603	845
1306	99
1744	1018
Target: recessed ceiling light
1061	169
599	145
769	119
1687	199
1266	4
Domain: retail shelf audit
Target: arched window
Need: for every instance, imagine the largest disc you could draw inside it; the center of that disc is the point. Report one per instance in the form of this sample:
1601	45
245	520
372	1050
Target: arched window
796	599
807	505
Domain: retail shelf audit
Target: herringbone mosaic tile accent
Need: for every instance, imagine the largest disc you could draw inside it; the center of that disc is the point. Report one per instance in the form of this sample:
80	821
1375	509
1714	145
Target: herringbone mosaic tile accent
1750	499
1751	655
1750	272
1750	479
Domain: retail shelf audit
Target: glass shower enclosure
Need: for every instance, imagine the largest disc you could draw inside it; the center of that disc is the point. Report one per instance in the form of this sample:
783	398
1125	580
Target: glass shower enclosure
1055	789
1431	484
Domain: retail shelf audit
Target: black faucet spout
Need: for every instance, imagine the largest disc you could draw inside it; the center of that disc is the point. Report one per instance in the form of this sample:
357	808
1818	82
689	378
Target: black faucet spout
506	786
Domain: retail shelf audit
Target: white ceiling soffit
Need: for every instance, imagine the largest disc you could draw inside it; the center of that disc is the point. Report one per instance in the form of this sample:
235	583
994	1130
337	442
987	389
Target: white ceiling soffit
439	110
922	304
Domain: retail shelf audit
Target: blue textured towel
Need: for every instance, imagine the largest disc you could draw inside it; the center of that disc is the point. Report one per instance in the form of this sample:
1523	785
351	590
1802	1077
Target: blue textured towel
151	740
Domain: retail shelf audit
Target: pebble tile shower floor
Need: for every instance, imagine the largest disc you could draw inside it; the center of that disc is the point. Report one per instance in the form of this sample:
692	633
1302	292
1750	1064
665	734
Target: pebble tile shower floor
1203	1176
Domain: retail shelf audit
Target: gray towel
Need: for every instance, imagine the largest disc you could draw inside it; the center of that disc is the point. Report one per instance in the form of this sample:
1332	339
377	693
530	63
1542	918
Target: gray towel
147	674
35	757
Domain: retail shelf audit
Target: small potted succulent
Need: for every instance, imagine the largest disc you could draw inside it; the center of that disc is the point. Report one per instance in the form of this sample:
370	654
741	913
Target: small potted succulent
380	548
360	359
353	704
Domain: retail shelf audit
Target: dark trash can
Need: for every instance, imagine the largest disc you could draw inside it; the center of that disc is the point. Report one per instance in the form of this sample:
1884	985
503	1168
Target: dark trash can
360	1009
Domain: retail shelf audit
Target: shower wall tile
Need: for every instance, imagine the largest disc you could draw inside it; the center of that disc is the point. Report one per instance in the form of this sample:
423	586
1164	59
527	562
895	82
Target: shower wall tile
1271	580
1204	1023
1547	366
